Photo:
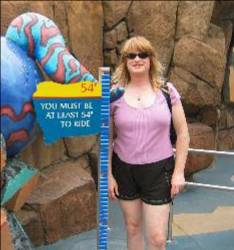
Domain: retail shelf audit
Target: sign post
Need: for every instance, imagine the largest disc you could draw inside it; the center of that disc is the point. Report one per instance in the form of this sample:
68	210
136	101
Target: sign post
80	109
103	205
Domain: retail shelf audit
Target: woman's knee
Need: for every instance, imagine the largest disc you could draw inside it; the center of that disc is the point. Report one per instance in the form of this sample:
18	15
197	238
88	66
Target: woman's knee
157	239
133	227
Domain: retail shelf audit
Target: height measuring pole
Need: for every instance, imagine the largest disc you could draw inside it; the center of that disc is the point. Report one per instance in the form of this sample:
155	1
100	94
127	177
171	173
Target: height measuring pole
103	204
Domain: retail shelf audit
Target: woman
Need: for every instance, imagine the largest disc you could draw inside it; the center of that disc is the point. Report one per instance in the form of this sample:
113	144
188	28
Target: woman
143	174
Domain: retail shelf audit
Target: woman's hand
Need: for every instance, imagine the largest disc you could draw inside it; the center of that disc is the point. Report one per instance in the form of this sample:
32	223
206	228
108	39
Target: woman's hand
177	183
112	187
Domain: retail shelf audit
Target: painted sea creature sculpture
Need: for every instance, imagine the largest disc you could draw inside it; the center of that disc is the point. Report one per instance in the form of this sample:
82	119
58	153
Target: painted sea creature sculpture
19	77
29	38
41	38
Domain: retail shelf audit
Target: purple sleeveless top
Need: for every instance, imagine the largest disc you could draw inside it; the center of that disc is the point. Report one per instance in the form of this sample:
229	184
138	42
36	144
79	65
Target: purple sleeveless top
143	133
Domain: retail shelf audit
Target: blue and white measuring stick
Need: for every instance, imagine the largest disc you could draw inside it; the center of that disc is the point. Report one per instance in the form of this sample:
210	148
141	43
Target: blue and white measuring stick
104	78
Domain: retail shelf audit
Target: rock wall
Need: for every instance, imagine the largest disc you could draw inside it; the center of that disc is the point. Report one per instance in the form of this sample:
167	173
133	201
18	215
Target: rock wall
192	39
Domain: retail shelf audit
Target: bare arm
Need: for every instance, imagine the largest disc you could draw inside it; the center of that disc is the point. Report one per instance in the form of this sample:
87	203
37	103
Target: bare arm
182	145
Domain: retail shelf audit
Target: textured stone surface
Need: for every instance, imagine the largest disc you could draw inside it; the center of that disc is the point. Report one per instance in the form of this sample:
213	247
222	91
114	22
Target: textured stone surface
94	161
122	31
201	137
110	57
194	91
156	21
77	146
231	85
210	116
223	116
226	139
64	202
226	117
223	10
110	39
228	89
84	163
85	22
119	47
114	11
32	224
194	18
40	155
60	18
228	30
216	38
11	9
200	59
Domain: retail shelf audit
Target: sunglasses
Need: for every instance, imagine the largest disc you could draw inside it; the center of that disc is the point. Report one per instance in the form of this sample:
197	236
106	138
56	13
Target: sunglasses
142	55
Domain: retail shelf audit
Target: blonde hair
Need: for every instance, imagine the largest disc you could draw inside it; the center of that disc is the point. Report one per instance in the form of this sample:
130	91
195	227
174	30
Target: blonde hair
121	75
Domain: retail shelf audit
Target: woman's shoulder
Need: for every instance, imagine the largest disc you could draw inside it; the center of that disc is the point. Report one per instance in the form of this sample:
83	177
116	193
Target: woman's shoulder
170	88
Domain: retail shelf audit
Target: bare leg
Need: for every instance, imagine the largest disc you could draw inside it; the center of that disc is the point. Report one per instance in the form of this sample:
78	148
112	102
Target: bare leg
156	223
132	212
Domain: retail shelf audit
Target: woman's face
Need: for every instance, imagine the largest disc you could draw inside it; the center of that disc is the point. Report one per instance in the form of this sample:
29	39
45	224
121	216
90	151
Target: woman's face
138	63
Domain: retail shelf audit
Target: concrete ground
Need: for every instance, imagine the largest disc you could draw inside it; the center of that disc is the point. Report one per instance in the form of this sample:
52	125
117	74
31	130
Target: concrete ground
203	218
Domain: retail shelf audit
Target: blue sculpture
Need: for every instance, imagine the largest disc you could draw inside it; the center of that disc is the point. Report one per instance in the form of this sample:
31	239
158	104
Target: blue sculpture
19	77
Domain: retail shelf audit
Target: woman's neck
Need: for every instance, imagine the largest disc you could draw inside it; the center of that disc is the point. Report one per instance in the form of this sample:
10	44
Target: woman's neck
140	81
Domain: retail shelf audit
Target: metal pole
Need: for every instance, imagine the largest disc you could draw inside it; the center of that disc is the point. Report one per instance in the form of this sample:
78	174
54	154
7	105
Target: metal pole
209	186
207	151
170	220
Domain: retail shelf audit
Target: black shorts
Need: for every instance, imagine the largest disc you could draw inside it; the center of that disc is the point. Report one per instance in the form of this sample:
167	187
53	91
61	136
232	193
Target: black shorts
149	182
